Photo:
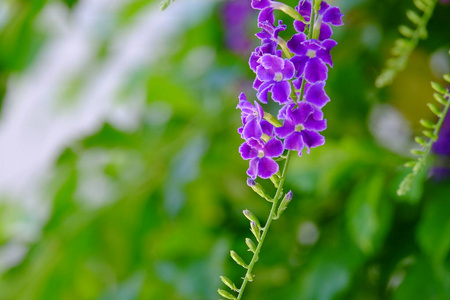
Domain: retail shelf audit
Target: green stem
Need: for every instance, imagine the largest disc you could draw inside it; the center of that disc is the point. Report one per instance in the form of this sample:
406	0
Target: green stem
270	218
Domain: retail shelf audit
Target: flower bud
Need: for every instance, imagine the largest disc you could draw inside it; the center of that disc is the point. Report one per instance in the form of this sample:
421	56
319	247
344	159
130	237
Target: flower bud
257	188
225	294
284	203
272	120
256	230
251	245
238	259
227	281
251	217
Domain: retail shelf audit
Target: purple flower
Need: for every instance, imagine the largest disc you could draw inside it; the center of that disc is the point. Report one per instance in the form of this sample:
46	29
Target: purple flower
273	74
300	128
260	155
311	57
328	15
251	118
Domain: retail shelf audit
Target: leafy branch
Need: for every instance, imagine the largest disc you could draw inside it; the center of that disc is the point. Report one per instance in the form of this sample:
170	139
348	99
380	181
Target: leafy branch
259	232
442	96
404	46
165	3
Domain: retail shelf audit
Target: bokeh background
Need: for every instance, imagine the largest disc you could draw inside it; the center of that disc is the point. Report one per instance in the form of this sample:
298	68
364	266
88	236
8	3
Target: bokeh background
120	176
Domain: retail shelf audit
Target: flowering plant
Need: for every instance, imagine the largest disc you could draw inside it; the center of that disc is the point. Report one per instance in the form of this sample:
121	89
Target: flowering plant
292	73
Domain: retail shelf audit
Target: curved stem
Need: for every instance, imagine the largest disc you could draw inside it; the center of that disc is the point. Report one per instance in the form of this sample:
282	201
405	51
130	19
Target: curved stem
270	218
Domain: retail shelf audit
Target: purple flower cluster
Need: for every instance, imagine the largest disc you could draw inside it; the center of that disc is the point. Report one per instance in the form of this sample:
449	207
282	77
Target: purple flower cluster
293	73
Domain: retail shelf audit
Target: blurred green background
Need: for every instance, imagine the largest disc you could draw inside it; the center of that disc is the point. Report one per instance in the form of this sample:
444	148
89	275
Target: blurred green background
120	176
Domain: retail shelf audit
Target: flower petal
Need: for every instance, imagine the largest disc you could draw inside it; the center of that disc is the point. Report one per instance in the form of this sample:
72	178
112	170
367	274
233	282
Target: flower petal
316	125
248	152
252	130
325	32
281	91
295	44
299	62
312	139
260	4
285	130
333	16
294	142
316	95
252	170
315	70
273	62
267	167
273	148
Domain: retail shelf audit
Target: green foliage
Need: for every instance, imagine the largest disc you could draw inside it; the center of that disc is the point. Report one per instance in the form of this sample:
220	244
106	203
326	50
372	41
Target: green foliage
442	96
411	36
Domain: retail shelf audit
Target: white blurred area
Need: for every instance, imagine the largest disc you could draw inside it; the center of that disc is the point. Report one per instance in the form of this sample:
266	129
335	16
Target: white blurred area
39	119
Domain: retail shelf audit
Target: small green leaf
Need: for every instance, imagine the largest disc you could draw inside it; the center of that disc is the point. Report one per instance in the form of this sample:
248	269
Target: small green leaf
238	259
434	109
429	134
427	124
420	5
447	77
227	281
225	294
417	152
420	141
413	16
439	98
406	31
410	164
251	245
438	88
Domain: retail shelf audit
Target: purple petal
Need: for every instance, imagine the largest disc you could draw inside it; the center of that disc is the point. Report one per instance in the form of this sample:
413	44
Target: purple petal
316	125
259	111
301	113
265	74
285	130
266	15
312	139
248	152
253	61
267	128
288	70
299	64
294	142
295	44
260	4
281	91
325	32
316	95
333	16
262	91
315	70
299	26
253	168
304	8
267	167
252	130
273	62
273	148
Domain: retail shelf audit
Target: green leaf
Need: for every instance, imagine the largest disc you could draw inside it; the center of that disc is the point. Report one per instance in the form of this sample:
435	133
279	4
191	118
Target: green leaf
438	88
406	31
439	98
434	109
427	124
413	16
